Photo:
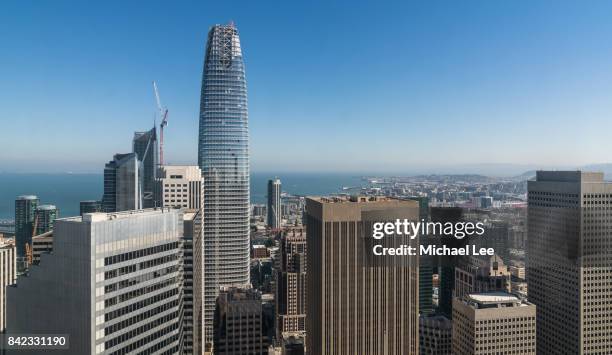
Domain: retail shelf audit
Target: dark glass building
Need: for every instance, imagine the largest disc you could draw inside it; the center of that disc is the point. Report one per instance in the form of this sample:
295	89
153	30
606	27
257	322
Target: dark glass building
25	211
145	146
274	204
223	157
45	218
90	206
122	184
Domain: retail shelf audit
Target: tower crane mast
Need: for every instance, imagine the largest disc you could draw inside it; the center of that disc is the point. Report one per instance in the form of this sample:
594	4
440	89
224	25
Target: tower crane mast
163	114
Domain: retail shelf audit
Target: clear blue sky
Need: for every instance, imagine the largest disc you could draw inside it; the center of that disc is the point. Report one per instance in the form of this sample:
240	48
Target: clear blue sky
333	86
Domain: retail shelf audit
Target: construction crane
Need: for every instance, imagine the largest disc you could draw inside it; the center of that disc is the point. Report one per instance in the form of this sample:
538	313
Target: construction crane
163	114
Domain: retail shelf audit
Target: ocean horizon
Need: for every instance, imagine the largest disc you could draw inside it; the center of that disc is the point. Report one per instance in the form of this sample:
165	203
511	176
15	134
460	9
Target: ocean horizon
66	190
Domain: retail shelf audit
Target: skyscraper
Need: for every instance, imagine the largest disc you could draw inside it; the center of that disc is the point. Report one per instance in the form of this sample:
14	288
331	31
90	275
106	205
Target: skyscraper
426	263
8	276
569	261
114	283
192	251
238	322
223	157
291	283
122	184
358	304
447	264
275	213
435	335
45	218
25	211
144	145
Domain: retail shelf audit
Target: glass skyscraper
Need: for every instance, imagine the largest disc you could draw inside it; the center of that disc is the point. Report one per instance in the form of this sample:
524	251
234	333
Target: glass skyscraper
223	157
274	204
25	211
122	183
145	146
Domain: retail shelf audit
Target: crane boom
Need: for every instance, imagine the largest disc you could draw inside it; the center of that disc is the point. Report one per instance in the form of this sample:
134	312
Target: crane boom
163	115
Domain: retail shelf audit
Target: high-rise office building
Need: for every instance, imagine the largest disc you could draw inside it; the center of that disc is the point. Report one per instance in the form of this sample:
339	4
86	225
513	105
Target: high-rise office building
90	206
144	145
238	323
359	304
447	264
8	275
426	263
569	261
122	184
192	245
496	236
25	211
223	157
435	335
45	218
275	212
114	283
180	186
291	283
493	323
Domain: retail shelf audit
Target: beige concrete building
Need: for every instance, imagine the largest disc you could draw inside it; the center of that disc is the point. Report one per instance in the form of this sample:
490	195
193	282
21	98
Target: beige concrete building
493	323
569	261
41	244
8	275
359	303
180	186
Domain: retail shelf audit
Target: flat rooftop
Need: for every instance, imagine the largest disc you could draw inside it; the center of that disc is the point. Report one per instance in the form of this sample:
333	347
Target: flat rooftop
493	297
107	216
495	300
353	199
569	176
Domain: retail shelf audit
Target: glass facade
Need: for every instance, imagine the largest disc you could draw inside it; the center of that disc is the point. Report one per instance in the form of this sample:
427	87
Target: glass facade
45	218
25	211
122	184
145	146
223	157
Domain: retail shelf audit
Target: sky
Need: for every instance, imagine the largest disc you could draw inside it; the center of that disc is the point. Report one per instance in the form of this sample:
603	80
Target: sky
387	86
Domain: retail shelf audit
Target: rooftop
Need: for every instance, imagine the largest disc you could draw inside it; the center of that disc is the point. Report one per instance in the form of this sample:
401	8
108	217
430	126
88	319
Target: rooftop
493	297
495	300
27	197
103	216
353	199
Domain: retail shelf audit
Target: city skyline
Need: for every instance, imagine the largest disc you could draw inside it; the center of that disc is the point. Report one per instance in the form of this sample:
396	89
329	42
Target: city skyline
443	85
445	178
